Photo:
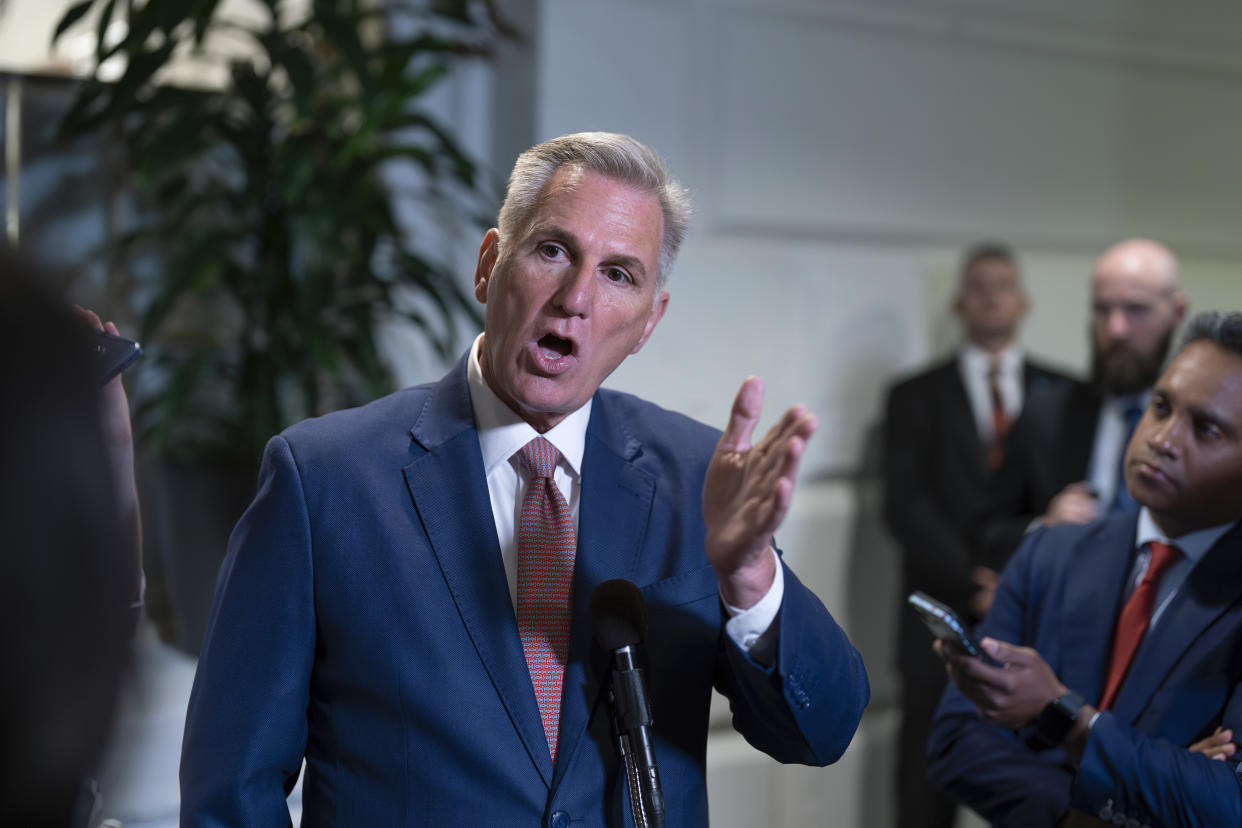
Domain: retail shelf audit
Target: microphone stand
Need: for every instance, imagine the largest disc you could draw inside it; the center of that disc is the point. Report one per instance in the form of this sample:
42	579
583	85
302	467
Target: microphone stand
631	718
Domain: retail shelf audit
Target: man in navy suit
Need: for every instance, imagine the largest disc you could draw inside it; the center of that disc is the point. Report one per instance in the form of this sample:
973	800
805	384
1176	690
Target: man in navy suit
943	432
369	615
1120	641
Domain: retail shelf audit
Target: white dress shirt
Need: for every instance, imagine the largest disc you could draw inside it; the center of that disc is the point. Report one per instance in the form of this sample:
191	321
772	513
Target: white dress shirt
1194	546
975	365
1111	436
502	433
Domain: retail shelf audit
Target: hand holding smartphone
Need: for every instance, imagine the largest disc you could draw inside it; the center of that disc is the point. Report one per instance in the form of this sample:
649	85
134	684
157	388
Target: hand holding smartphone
113	354
943	623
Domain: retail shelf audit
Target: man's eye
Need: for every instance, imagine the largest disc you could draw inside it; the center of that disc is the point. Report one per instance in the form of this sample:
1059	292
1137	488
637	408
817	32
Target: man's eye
615	274
1206	430
549	250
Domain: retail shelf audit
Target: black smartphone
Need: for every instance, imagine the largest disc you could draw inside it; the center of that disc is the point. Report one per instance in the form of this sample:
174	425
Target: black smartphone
944	624
113	354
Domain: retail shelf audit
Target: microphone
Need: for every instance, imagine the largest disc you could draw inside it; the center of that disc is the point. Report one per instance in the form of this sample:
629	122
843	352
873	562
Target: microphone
619	621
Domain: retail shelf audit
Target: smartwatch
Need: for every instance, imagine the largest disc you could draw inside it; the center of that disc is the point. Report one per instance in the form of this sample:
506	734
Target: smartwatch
1056	720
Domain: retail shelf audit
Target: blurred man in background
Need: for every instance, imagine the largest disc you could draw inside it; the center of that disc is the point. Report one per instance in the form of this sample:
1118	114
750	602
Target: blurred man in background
1063	457
944	433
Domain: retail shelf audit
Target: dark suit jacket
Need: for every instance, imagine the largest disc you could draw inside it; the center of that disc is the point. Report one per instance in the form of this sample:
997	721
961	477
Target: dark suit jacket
935	477
1062	594
1048	448
362	619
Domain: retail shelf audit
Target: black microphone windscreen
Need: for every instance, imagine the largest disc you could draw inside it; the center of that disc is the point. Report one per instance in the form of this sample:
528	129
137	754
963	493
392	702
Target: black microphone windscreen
618	614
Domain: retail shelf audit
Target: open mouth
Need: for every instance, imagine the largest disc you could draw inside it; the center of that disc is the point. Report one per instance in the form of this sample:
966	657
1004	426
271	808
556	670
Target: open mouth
554	347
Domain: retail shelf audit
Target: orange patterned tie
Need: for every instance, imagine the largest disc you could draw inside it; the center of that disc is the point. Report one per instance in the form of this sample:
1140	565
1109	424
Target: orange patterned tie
545	581
1135	616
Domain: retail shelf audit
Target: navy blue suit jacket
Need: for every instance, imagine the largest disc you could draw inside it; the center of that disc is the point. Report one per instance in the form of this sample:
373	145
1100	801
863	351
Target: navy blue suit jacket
362	619
1061	594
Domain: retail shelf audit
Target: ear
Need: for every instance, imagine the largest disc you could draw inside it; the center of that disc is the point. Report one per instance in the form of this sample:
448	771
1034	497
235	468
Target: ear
657	313
1180	306
489	251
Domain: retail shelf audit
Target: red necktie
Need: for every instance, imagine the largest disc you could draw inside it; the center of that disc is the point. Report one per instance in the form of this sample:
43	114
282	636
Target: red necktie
1000	419
545	565
1135	616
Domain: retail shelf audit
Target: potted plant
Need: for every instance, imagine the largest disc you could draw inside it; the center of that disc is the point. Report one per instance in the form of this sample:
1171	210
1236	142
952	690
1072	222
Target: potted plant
265	254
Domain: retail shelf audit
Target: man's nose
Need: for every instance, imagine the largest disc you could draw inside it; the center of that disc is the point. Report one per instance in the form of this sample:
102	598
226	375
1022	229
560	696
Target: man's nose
1118	325
577	290
1165	437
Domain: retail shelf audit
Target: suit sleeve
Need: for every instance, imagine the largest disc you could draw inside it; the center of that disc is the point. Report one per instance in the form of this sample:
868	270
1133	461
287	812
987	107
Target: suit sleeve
937	556
806	706
1153	781
245	732
990	769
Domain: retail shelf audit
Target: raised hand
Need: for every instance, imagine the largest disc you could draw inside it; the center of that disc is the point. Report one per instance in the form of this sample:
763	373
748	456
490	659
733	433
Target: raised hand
747	493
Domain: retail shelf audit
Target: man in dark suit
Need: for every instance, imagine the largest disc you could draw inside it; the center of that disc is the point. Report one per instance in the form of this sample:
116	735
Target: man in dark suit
944	429
404	605
1119	642
1063	456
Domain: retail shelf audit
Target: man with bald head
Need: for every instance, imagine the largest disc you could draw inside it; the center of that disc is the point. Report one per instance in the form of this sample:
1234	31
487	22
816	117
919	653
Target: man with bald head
1063	455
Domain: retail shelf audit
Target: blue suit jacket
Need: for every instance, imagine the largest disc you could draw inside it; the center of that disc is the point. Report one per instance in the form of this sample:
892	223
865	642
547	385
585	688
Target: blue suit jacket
1062	594
362	619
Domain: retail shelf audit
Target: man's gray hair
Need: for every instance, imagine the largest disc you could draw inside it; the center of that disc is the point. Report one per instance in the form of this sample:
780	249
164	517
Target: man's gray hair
1222	329
612	155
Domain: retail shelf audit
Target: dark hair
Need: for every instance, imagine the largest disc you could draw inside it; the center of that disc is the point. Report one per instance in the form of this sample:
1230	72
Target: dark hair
1220	328
988	250
65	581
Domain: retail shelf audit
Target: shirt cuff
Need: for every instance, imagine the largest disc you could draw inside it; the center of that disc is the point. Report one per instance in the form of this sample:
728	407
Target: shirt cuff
747	626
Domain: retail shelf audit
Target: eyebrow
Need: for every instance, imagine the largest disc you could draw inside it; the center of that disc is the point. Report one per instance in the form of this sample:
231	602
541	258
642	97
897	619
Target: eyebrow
1198	412
555	231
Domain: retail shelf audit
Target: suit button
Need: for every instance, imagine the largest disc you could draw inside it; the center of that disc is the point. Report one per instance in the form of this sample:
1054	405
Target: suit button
560	819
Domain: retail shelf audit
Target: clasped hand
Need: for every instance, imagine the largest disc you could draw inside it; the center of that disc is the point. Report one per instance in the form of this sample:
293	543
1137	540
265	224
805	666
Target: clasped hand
747	492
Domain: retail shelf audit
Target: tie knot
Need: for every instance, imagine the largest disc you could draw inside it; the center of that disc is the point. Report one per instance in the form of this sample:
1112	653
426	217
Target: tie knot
1163	555
1132	411
539	457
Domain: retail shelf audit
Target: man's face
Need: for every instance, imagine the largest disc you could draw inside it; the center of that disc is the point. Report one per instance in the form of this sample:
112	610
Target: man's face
991	302
1184	462
1132	322
571	296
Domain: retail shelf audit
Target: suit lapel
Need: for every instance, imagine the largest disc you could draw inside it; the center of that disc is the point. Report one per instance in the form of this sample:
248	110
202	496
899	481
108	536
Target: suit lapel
449	490
959	417
612	523
1099	567
1212	587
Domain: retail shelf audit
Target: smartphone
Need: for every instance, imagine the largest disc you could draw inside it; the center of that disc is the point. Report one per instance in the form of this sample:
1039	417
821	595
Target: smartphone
945	625
113	354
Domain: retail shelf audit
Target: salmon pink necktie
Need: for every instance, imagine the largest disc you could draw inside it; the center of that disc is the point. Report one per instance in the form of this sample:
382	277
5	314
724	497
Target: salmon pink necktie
1135	616
545	566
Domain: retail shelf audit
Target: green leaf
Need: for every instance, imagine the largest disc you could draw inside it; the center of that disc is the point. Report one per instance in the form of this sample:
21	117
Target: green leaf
75	13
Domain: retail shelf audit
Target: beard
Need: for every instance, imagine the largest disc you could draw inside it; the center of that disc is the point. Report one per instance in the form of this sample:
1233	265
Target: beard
1122	370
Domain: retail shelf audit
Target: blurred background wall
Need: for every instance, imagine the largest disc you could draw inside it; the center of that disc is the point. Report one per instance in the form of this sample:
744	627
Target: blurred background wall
841	154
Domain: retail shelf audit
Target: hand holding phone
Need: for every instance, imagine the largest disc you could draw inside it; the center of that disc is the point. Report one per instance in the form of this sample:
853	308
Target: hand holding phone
943	623
113	354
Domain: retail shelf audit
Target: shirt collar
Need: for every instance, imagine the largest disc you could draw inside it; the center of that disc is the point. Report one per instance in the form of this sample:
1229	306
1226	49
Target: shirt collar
1118	405
977	359
1194	545
502	433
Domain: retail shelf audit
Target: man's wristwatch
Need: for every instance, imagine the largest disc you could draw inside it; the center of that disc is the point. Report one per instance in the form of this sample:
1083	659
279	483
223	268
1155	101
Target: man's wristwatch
1057	719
